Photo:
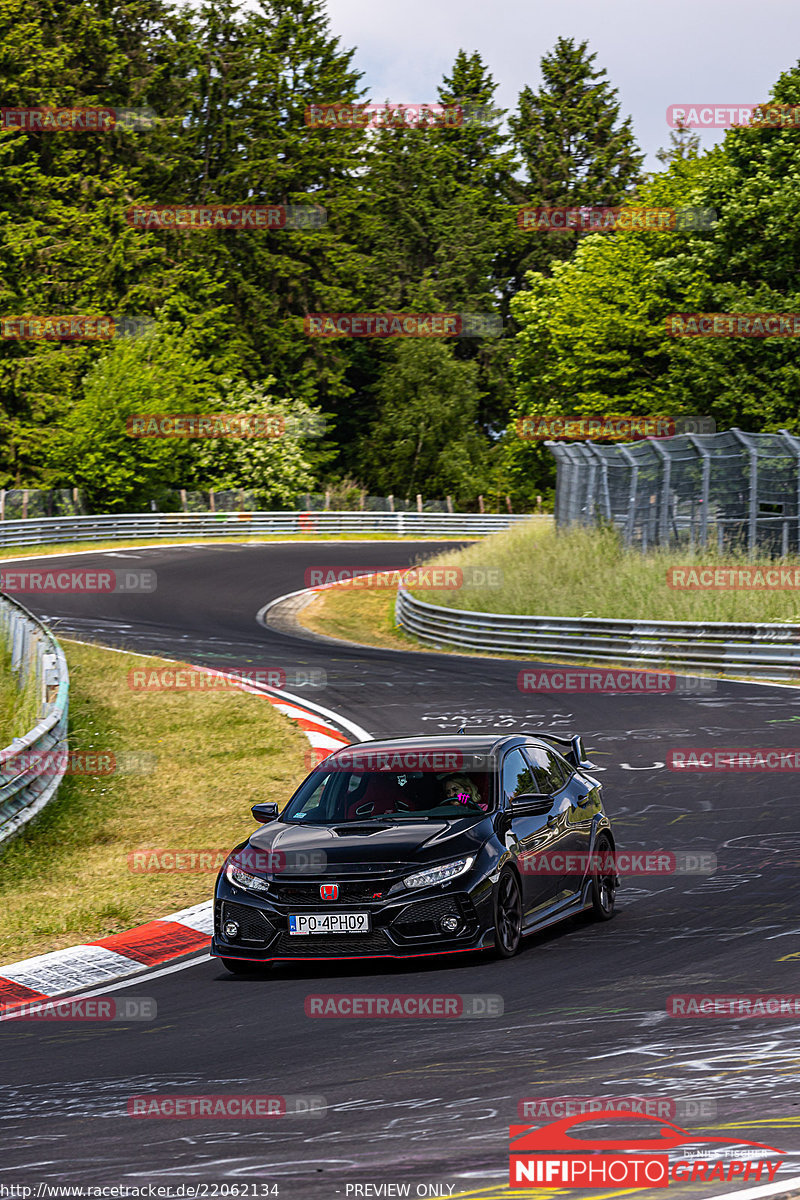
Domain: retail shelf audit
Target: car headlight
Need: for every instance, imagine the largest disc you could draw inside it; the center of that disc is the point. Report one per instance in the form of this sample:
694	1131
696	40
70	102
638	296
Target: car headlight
244	879
442	874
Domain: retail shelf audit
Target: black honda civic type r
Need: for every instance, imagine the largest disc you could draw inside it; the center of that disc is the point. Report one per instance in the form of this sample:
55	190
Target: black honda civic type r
419	846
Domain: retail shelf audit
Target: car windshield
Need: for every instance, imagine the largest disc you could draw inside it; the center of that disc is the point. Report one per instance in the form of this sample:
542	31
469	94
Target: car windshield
331	797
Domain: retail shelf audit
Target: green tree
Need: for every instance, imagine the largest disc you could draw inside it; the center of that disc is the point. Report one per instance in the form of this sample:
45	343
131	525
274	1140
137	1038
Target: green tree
92	448
575	149
277	468
425	438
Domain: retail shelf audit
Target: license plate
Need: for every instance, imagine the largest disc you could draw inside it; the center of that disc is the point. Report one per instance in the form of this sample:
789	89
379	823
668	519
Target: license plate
304	923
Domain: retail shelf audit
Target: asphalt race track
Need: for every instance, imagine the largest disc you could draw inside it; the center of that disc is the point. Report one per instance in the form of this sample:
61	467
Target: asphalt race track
427	1101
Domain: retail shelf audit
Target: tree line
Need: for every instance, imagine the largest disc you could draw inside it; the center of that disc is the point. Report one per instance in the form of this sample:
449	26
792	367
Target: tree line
419	220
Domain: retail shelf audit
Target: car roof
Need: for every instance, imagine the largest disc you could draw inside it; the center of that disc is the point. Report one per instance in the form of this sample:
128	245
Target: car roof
479	744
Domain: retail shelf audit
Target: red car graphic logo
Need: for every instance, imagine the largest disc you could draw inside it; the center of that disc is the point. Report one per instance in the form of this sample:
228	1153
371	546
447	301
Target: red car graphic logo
556	1136
329	891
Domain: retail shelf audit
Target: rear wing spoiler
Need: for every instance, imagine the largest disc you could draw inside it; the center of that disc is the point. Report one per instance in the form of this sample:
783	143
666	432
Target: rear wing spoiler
575	754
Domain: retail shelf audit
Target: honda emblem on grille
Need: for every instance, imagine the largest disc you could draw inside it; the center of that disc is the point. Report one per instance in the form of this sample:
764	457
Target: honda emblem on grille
329	891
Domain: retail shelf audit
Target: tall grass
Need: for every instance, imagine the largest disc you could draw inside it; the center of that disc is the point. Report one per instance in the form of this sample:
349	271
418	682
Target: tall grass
590	573
19	706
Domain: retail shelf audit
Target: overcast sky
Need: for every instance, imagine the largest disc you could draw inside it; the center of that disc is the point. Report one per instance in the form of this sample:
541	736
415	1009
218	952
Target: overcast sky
656	52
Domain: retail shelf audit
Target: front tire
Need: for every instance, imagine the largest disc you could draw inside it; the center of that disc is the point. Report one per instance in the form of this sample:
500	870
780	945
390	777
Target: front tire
604	883
507	915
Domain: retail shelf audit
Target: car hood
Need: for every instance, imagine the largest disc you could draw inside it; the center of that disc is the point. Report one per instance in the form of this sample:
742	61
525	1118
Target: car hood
363	847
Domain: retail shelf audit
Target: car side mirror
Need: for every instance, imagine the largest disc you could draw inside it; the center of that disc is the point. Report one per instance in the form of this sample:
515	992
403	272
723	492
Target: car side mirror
265	812
531	804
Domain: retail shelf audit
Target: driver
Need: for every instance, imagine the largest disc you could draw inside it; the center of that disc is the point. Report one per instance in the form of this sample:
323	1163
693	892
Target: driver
459	789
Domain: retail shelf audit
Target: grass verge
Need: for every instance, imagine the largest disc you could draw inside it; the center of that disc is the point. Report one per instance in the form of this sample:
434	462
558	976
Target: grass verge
19	707
66	879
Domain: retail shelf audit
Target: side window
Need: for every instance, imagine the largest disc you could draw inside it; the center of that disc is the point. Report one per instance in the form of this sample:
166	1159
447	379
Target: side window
551	772
517	776
563	768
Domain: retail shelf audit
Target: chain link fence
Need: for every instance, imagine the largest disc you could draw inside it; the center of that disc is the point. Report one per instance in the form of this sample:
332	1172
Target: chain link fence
735	490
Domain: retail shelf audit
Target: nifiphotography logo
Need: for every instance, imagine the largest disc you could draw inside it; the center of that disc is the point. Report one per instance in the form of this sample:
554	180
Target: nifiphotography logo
553	1156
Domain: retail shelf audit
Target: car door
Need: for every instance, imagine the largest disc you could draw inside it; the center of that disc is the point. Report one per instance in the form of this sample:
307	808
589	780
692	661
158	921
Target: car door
577	800
527	835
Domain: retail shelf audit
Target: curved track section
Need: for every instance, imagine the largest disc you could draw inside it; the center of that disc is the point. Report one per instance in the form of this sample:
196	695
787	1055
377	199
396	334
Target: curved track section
428	1102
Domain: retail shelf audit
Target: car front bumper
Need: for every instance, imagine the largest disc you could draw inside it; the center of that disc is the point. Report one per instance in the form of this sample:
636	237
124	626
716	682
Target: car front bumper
404	927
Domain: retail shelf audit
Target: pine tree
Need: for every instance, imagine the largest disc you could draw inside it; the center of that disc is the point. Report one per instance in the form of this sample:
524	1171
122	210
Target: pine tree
574	147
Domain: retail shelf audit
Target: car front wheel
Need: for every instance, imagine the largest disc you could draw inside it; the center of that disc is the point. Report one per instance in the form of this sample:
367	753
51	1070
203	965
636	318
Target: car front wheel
507	915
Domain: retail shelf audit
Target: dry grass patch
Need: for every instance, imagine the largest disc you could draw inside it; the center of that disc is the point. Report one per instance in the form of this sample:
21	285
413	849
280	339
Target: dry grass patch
66	879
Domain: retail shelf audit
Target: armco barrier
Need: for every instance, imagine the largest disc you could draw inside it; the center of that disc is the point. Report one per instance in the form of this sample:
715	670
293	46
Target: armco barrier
52	530
24	791
771	651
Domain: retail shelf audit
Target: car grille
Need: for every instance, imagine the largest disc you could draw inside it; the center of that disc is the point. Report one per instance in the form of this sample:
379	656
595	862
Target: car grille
422	920
320	946
254	927
353	892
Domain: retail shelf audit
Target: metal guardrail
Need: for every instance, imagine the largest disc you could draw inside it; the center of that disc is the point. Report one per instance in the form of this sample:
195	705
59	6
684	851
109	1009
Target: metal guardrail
771	651
25	787
51	530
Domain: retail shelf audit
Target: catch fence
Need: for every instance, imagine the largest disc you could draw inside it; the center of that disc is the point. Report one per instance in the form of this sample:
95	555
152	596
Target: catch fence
738	491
